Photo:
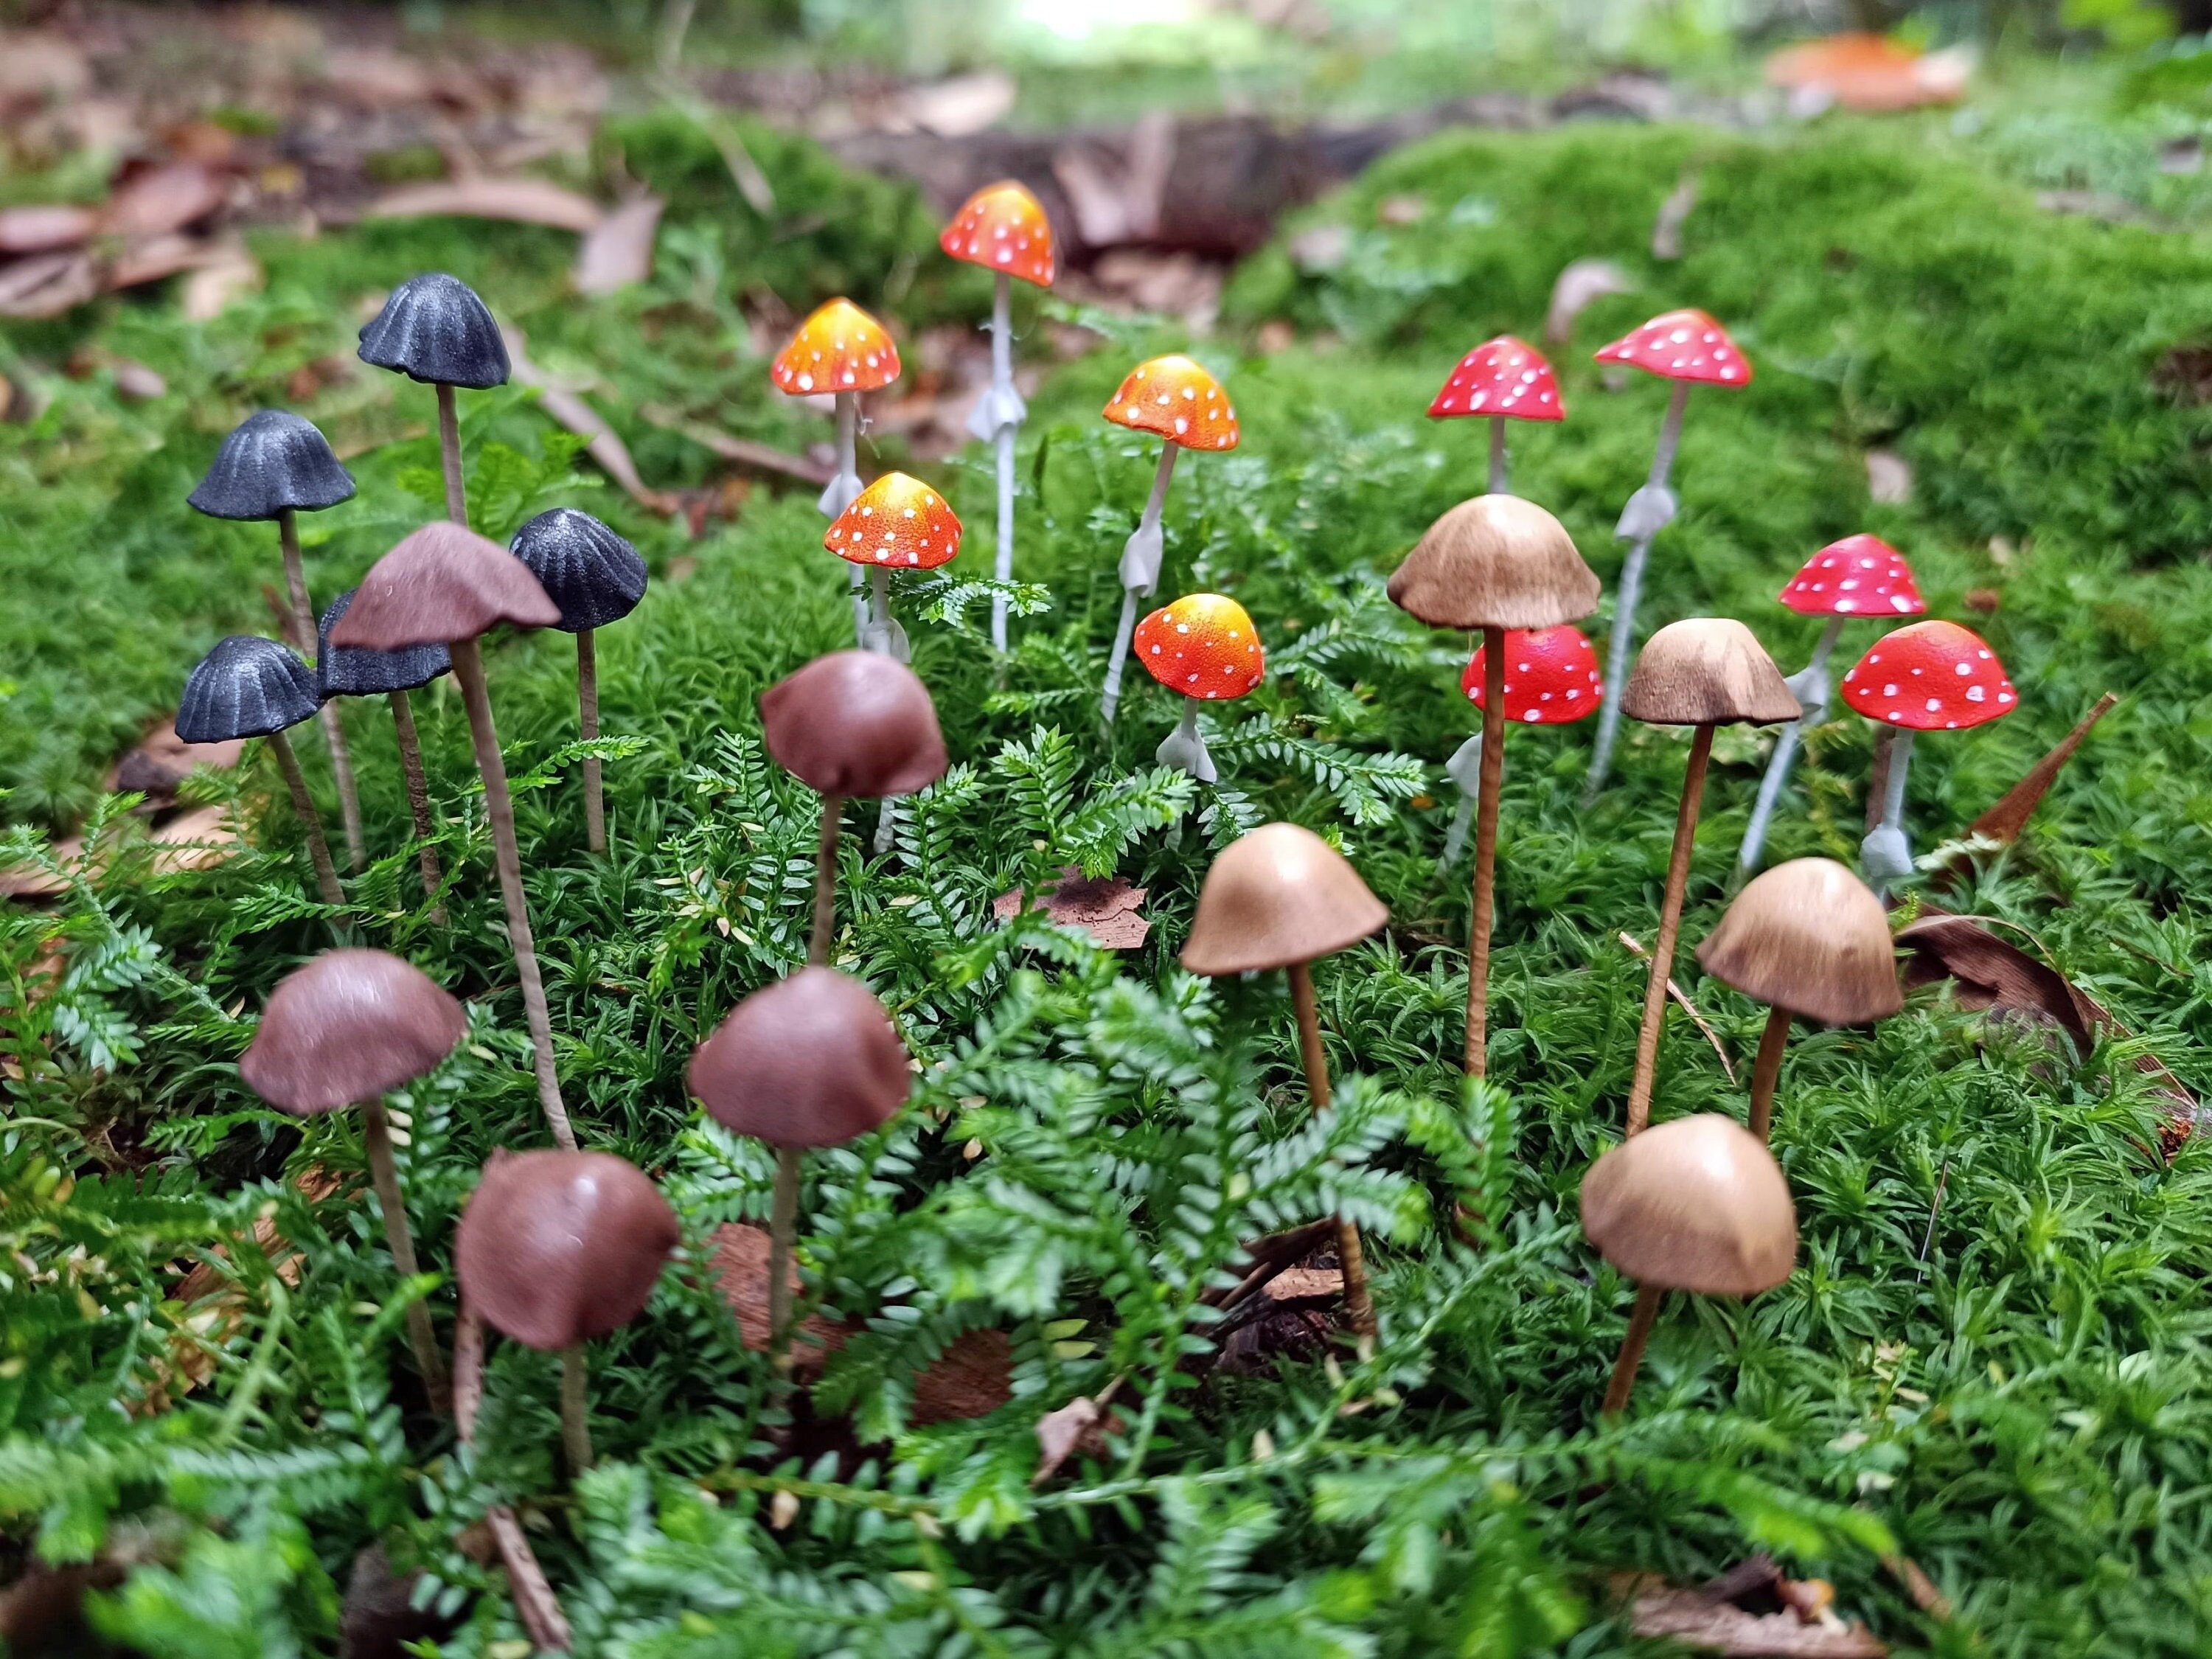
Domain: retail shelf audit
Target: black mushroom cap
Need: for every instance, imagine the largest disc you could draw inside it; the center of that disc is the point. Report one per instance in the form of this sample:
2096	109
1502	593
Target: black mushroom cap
434	329
357	670
593	574
246	687
273	462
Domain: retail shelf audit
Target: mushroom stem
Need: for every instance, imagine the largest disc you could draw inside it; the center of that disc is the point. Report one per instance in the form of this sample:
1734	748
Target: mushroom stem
1768	1072
1140	575
843	489
418	802
468	669
1122	632
1886	849
825	886
782	1233
1640	1322
376	1140
1485	850
303	627
449	457
1358	1307
1497	474
575	1425
1002	379
587	725
1811	686
318	850
1670	926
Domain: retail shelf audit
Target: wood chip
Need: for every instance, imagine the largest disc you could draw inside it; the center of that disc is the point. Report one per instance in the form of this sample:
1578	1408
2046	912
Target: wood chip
45	229
520	200
743	451
619	251
1109	909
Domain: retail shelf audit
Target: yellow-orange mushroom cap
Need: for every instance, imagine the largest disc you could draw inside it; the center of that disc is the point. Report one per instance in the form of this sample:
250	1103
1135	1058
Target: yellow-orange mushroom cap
838	349
898	522
1002	228
1172	396
1203	645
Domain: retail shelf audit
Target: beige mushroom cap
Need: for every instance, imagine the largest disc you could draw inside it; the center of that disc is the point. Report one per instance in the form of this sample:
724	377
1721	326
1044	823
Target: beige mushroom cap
1276	895
1495	562
1811	937
1697	1204
1706	671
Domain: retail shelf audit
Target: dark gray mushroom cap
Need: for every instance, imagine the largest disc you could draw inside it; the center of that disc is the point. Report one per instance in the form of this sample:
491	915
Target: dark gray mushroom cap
593	575
358	672
246	687
434	329
272	462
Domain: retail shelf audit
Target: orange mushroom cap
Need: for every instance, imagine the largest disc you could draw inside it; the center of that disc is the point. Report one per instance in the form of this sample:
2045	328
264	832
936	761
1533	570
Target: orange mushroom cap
839	349
1002	228
1203	645
1176	399
896	521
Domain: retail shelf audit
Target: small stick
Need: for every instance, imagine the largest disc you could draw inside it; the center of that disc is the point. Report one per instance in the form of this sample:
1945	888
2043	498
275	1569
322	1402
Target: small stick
1485	850
1928	1241
449	457
1767	1071
533	1597
1631	1348
376	1139
588	723
782	1234
575	1427
303	622
1670	925
1358	1305
825	886
318	850
418	802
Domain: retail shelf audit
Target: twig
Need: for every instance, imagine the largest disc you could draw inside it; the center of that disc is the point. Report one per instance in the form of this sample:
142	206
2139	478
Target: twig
761	457
1683	1002
534	1600
1927	1243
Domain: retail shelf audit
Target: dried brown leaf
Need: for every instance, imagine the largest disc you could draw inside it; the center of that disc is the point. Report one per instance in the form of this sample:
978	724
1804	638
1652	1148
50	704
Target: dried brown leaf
521	200
1060	1434
1109	908
161	201
46	284
2006	820
618	250
1579	286
45	229
226	272
605	446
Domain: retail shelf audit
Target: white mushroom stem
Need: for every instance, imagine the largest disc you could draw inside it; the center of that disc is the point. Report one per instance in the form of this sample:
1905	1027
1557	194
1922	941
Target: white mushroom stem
587	725
1810	686
384	1175
1486	851
1885	856
882	634
844	487
418	802
1498	476
996	409
575	1423
1140	574
1185	750
318	850
303	621
1464	769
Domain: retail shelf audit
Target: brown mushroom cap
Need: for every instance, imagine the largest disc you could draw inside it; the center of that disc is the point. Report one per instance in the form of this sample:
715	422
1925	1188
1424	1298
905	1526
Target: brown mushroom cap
1278	895
351	1026
810	1060
1495	562
1697	1204
855	723
1706	671
1811	937
441	585
557	1247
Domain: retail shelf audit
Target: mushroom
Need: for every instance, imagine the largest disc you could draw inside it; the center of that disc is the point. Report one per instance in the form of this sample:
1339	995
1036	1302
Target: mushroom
1704	672
434	329
896	523
1491	563
596	578
811	1061
1500	380
445	585
391	674
249	687
1173	397
557	1247
1858	576
1690	348
1929	676
1805	938
1552	678
346	1030
1204	646
1003	228
273	466
1695	1204
1279	897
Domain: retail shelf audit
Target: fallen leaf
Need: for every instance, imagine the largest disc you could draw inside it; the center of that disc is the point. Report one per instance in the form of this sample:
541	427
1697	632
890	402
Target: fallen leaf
957	106
156	258
1701	1618
45	229
605	446
46	284
135	383
1667	228
618	250
521	200
36	66
1889	477
194	840
228	272
1080	1425
1577	288
2004	821
163	760
1109	908
161	200
745	451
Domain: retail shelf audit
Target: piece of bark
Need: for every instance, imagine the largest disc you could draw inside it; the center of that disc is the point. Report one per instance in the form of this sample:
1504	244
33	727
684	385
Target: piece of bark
45	229
619	251
523	201
1109	908
1705	1618
2006	820
1269	1256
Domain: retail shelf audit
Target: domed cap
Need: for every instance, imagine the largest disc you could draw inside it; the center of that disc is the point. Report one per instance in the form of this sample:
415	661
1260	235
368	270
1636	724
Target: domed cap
360	673
1706	671
441	585
1858	576
1930	677
1002	228
246	687
1811	937
1697	1204
434	329
594	575
558	1248
810	1060
855	723
351	1026
1173	397
898	522
1495	562
1204	646
1503	376
1277	894
1682	345
1550	676
839	348
272	462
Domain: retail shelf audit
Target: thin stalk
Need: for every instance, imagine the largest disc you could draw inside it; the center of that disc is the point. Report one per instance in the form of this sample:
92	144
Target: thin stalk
1485	850
1002	377
782	1234
1812	688
1140	575
576	1423
1358	1307
383	1174
844	488
418	802
587	725
449	458
1893	799
825	886
1768	1072
1498	483
1631	1348
1622	648
318	850
534	1600
303	624
1670	926
1123	631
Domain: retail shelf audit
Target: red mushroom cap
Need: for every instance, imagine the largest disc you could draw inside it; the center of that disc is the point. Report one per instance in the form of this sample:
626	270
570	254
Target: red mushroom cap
896	521
840	348
1503	376
1930	677
1176	399
1858	576
1203	645
1002	228
1550	676
1682	345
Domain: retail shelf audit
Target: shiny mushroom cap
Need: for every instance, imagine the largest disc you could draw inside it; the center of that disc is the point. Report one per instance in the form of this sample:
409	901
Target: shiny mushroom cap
810	1060
1277	894
441	584
1204	646
1682	345
840	348
1811	937
351	1026
898	522
1695	1204
1504	376
1003	228
1495	562
246	687
272	462
855	723
434	329
360	673
1858	576
1706	671
1175	399
1930	677
591	574
1550	676
556	1249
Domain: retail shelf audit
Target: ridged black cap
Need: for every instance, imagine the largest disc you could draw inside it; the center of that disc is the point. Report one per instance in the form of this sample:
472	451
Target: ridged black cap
357	671
272	461
593	575
434	329
246	687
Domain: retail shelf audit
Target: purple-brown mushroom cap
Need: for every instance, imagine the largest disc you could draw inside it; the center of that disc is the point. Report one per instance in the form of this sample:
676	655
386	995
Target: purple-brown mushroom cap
855	723
811	1061
555	1247
351	1026
441	584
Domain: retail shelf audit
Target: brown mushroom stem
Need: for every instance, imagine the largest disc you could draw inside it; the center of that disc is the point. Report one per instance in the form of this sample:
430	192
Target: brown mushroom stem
534	1600
303	625
318	850
376	1140
576	1428
1497	474
1767	1071
782	1234
468	669
1631	1348
1358	1305
1670	927
825	886
449	457
588	723
418	802
1485	850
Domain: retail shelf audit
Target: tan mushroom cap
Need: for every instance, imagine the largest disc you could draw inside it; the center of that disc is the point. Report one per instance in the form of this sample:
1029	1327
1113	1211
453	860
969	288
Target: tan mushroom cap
855	723
810	1060
1495	562
1276	895
1696	1204
349	1027
439	586
1706	671
1811	937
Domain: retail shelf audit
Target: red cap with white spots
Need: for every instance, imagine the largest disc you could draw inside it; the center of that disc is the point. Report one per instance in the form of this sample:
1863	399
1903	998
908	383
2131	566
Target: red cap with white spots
1550	676
898	522
1682	345
1002	228
1176	399
1858	576
1930	677
1503	376
839	349
1203	645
